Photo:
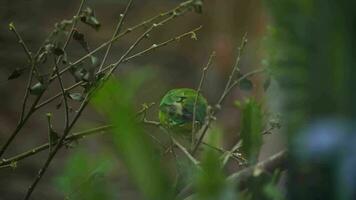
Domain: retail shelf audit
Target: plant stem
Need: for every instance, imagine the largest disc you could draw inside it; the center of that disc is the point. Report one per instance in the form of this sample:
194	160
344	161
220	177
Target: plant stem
202	79
68	139
117	30
129	58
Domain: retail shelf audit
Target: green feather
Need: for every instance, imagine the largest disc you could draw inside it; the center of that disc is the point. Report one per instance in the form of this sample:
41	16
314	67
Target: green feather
177	107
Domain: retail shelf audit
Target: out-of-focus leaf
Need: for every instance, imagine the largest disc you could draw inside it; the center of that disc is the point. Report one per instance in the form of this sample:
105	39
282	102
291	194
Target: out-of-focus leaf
211	182
115	99
267	83
198	6
246	84
16	73
238	104
251	130
86	177
37	89
263	186
88	17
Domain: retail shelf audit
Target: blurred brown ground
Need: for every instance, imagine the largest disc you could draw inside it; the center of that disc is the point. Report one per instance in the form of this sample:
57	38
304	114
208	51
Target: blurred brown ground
177	65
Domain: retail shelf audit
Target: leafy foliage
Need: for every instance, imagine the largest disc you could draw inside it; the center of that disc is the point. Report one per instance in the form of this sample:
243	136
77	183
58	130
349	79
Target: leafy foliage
251	130
86	177
115	100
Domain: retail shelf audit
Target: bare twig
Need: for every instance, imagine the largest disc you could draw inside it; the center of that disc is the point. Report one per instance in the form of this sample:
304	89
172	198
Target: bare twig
68	139
179	10
276	161
234	70
64	94
129	58
117	30
202	79
24	117
186	152
21	41
67	126
228	87
82	107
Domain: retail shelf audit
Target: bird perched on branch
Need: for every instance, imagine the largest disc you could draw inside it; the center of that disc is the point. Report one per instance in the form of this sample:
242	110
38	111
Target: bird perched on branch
177	108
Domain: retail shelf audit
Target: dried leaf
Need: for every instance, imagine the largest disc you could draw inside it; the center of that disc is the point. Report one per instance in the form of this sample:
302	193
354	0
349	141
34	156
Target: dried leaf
88	17
16	73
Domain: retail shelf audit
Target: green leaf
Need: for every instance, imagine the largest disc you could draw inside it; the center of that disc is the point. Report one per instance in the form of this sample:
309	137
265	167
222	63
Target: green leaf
76	96
88	17
246	84
115	99
251	130
211	181
37	89
86	176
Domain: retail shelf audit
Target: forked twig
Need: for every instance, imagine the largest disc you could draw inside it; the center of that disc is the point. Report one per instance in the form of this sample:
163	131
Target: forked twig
202	79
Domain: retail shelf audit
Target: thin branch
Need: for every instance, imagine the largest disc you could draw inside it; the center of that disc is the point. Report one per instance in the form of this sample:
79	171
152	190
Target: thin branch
68	139
27	90
67	126
234	69
228	155
228	87
276	161
81	109
129	58
117	30
162	44
21	41
202	79
75	22
64	94
38	98
179	10
236	82
186	152
73	137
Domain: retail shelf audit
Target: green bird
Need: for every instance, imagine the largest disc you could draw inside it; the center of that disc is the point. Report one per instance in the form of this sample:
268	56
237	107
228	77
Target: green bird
177	107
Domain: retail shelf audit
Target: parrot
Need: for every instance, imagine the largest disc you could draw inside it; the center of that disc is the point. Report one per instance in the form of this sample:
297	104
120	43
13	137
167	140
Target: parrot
176	110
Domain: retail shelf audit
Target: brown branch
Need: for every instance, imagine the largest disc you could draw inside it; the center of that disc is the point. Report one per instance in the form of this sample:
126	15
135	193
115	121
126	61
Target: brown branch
276	161
127	59
223	95
40	148
202	79
117	30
